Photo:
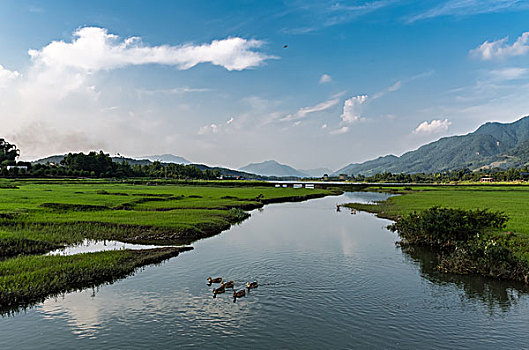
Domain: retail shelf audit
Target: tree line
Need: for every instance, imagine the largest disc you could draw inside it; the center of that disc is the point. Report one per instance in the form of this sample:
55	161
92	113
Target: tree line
497	174
96	164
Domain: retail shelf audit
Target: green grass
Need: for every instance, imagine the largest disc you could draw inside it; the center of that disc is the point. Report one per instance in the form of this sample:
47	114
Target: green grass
26	280
513	200
65	212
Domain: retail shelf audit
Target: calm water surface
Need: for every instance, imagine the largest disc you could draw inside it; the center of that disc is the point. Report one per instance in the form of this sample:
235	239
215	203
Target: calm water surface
327	279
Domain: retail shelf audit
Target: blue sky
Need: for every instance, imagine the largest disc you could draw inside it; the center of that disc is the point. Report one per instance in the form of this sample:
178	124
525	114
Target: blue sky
213	82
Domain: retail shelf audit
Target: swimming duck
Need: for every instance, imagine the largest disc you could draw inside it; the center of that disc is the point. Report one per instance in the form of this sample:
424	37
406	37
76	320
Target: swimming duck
229	284
214	280
251	285
219	290
238	294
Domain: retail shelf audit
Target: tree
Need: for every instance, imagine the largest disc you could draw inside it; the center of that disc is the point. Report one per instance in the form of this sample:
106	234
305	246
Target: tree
8	153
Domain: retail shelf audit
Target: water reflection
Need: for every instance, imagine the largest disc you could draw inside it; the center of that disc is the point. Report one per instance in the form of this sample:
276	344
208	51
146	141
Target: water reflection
92	246
88	313
495	294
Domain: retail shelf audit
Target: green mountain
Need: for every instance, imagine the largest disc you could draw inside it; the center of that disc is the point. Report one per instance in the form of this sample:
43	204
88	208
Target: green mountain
491	145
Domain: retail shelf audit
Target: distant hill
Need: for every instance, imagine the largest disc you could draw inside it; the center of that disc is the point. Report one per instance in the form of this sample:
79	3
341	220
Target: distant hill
58	158
272	168
318	172
491	145
51	159
167	158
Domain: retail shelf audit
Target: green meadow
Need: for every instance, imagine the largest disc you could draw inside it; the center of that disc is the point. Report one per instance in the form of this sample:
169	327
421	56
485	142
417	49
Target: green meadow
37	216
511	199
66	212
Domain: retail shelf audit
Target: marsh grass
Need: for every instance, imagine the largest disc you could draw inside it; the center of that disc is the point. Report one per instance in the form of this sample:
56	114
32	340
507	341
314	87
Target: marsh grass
27	280
48	213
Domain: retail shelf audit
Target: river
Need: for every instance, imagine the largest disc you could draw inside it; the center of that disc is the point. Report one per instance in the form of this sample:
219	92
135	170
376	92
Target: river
327	279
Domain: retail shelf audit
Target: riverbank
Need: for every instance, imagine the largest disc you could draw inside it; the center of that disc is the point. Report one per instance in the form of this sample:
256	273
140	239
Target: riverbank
496	252
27	280
37	217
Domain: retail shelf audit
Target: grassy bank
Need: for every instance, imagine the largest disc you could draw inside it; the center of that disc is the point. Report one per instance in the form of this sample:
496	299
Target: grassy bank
513	200
26	280
497	252
41	215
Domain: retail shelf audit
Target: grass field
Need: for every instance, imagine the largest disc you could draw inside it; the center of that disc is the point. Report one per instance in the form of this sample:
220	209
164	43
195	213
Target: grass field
37	216
66	212
513	200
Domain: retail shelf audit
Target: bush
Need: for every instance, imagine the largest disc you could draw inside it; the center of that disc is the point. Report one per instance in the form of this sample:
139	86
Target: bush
442	226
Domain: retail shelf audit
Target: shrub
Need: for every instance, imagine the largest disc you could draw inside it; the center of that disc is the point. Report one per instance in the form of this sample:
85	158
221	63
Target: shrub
442	226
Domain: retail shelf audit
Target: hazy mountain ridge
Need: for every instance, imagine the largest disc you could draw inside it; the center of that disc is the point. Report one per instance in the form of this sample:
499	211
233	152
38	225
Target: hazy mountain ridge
317	172
272	168
166	158
492	144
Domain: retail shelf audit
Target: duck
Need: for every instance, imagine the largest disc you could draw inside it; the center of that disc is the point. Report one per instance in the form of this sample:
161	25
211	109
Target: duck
251	285
214	280
228	284
219	290
238	294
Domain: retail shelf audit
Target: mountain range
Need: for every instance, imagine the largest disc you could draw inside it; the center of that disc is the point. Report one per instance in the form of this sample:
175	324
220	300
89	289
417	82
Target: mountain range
493	144
274	168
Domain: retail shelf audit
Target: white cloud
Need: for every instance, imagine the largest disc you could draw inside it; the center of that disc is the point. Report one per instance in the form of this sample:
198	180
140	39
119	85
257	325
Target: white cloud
325	78
468	7
172	91
215	128
395	86
511	73
435	126
66	91
324	126
302	112
95	49
331	13
7	76
206	129
352	109
500	49
342	130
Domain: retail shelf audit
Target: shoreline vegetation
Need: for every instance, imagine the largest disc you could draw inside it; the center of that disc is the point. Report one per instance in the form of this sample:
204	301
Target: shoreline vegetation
27	280
39	216
474	229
